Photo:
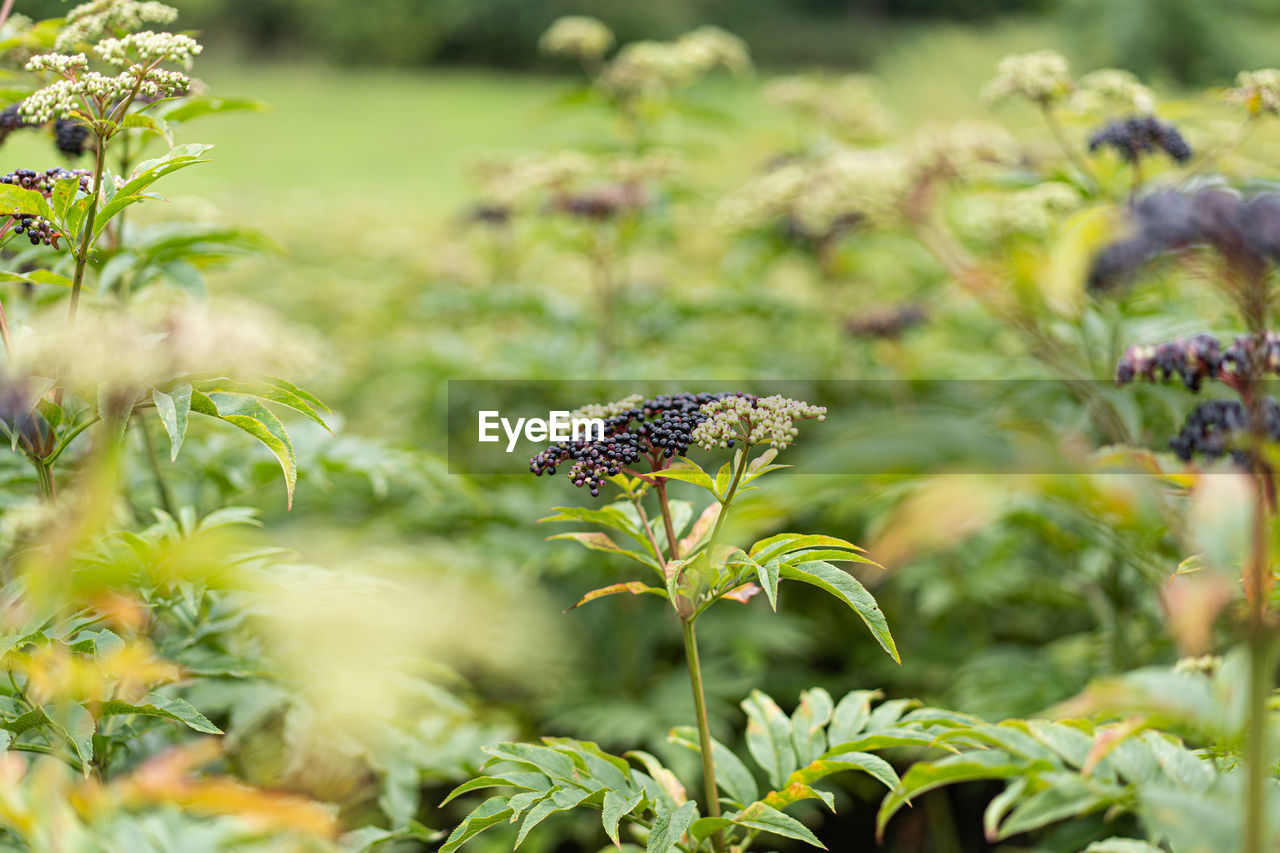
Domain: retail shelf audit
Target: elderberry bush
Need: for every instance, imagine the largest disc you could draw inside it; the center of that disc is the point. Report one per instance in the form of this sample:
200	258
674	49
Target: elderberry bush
1199	358
70	136
1244	230
635	429
1137	136
1216	428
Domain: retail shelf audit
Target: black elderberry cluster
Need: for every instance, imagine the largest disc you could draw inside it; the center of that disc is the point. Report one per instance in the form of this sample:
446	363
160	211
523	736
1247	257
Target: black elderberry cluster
1199	358
43	182
1137	136
889	323
656	429
1245	231
1214	427
11	120
37	228
602	203
69	136
490	214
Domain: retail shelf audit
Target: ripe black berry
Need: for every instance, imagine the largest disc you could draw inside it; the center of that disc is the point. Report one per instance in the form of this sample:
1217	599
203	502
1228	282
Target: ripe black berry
635	430
1136	136
70	136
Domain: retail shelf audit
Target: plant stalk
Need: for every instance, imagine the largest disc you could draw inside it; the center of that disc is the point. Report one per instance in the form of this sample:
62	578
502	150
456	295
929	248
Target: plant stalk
673	546
704	729
82	255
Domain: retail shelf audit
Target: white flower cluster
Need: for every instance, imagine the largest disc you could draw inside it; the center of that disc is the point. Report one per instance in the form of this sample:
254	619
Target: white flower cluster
63	97
848	107
766	420
607	410
962	150
655	68
1257	91
577	37
15	25
1035	211
148	47
59	63
531	176
817	194
90	21
1043	76
1112	92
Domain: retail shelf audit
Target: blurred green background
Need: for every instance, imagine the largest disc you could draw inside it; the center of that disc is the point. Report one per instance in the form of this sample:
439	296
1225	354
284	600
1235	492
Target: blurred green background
358	168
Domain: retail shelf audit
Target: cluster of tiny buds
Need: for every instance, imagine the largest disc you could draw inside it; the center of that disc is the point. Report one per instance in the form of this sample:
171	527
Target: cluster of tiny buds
888	322
1136	136
1202	665
90	21
754	421
59	63
634	429
1213	428
147	47
1199	358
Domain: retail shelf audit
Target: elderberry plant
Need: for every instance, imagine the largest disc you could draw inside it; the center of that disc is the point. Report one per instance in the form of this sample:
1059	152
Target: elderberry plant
642	454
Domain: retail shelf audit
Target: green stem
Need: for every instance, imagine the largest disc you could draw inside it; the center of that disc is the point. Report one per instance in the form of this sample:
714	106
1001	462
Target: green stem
166	498
82	255
1256	747
704	729
728	496
1059	136
673	546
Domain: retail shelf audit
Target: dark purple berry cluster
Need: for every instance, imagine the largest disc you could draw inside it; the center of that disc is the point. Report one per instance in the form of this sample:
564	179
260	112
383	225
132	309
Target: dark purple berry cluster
655	429
43	182
1193	360
69	136
1136	136
37	228
1199	358
889	322
1245	231
11	119
1214	427
603	203
490	214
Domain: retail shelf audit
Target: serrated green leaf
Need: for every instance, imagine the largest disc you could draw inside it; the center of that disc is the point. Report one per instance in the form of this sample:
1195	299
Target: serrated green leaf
1067	796
670	826
481	782
928	775
769	737
808	724
560	799
162	706
251	416
599	541
15	199
616	807
768	819
731	774
172	409
489	813
688	472
845	587
1122	845
850	716
873	765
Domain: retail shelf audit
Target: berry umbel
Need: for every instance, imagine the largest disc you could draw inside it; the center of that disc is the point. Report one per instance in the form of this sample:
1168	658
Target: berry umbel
1137	136
666	426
